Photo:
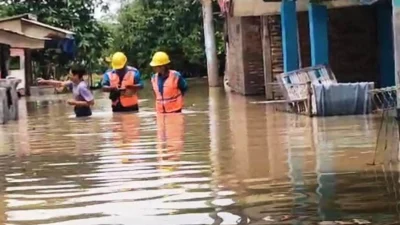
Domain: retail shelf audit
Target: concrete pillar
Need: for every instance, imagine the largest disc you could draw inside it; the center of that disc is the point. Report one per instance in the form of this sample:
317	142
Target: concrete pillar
28	71
290	38
318	19
210	44
396	44
4	117
385	41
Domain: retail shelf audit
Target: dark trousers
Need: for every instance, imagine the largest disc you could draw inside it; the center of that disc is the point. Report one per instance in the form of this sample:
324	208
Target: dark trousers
120	108
82	111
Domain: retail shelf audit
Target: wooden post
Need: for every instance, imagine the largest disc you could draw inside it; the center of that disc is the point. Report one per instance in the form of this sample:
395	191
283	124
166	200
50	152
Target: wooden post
28	72
4	112
4	55
266	45
210	44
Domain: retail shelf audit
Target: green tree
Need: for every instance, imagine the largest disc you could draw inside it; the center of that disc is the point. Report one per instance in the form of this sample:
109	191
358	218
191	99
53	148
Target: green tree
75	15
174	26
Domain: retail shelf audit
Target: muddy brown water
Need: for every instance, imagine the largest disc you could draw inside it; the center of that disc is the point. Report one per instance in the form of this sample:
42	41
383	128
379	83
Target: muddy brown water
223	161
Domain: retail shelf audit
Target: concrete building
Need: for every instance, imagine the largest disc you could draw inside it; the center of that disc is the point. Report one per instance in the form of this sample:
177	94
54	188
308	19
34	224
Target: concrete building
268	37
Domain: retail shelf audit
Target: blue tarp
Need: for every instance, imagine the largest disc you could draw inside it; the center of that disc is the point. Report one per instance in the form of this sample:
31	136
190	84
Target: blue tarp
66	45
343	98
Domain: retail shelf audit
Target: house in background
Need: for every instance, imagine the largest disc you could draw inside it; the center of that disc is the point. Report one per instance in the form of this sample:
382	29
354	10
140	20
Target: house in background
268	37
21	34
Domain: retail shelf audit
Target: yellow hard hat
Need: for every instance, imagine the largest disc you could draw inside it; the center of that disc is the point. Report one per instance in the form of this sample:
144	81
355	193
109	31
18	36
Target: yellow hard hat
118	60
160	59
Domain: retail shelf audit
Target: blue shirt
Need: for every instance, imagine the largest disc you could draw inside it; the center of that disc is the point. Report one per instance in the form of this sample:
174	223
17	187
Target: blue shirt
182	84
138	79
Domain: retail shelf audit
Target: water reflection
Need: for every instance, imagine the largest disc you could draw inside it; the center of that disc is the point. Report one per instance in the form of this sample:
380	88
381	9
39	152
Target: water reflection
170	131
239	163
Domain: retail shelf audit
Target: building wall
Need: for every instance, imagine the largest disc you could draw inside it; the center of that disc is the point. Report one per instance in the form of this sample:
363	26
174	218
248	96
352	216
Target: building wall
275	39
353	44
253	54
304	36
234	55
353	48
245	67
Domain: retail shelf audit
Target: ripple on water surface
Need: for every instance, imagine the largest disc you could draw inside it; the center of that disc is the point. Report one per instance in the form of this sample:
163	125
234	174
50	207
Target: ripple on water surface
223	161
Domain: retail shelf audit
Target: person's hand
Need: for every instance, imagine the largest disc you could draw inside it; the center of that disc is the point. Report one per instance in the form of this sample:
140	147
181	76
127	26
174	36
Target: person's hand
71	102
131	90
132	87
40	80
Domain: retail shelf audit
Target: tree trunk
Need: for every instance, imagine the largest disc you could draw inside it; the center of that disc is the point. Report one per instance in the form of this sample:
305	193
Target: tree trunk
210	44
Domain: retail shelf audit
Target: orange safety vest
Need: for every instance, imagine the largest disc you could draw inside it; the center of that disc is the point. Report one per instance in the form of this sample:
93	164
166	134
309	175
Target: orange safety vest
128	98
171	99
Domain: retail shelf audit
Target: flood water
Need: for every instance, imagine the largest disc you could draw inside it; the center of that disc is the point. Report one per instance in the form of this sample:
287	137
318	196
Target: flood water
223	161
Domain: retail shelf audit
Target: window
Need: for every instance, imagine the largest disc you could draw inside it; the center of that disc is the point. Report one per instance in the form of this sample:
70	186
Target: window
15	63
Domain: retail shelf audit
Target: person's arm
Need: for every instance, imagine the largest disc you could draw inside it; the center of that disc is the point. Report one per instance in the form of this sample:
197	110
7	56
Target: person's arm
151	81
182	84
106	83
138	80
54	83
80	103
86	95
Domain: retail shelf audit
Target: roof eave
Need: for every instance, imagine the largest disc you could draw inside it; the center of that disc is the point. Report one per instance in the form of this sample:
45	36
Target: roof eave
20	40
67	33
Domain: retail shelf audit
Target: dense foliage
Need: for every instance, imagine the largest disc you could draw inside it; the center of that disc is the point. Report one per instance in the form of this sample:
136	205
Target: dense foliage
141	28
174	26
74	15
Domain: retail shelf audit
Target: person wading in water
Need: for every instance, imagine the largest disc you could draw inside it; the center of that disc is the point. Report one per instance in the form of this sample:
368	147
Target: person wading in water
82	96
168	85
123	83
